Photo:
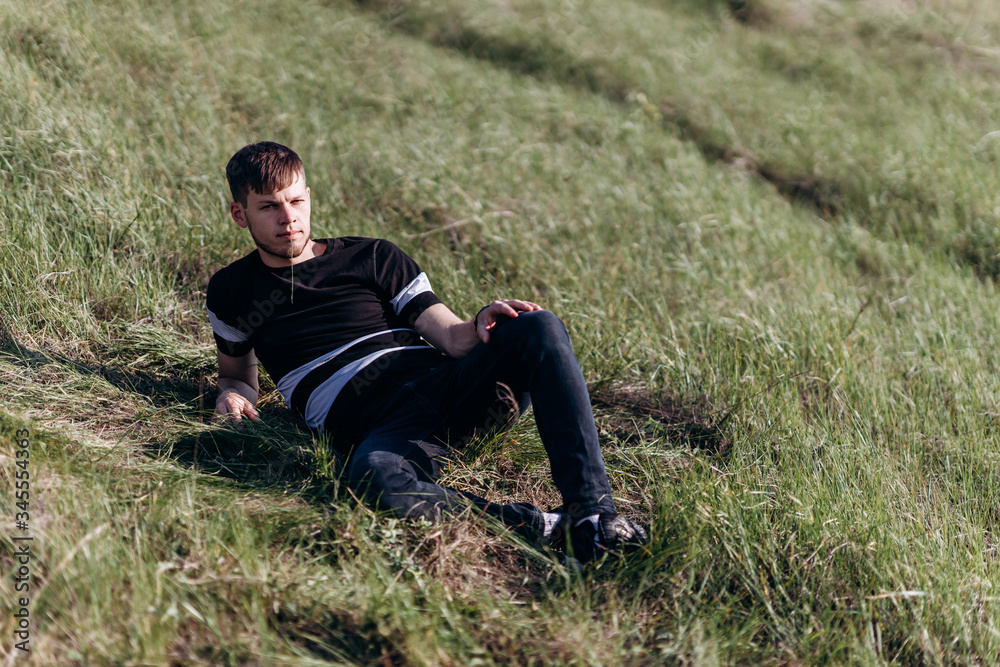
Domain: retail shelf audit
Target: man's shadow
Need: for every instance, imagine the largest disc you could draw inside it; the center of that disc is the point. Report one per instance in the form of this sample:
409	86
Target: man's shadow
277	452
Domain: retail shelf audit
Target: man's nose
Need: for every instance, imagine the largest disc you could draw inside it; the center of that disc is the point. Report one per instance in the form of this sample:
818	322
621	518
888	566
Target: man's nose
287	213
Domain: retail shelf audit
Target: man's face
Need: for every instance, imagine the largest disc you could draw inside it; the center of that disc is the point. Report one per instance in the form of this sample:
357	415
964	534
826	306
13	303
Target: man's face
278	222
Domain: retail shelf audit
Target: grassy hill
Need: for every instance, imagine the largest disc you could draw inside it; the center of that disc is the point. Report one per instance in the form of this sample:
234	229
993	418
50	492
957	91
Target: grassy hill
770	226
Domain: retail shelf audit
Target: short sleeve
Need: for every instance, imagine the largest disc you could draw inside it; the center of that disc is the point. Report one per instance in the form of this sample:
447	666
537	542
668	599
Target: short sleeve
401	282
232	335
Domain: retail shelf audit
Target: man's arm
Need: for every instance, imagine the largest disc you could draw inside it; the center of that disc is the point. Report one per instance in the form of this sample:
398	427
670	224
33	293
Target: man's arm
238	389
444	330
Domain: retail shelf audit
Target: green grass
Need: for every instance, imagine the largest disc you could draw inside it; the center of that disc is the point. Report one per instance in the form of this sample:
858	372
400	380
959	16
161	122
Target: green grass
771	228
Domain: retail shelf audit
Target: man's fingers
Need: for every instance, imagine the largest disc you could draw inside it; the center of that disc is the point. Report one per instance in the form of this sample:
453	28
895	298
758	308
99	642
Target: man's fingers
483	330
505	308
232	409
523	306
487	318
228	417
244	407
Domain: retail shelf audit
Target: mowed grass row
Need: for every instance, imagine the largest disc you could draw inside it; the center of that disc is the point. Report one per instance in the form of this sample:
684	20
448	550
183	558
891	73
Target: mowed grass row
840	129
847	354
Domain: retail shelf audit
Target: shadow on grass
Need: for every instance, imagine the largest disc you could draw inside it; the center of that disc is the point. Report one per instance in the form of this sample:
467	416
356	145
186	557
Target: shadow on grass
277	451
748	12
631	414
273	450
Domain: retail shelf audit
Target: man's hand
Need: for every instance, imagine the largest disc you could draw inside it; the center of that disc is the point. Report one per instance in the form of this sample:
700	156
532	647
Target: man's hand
237	388
230	407
487	318
444	330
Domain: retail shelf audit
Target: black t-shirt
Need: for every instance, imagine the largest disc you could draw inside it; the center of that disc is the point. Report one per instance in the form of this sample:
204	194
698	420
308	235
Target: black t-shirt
343	319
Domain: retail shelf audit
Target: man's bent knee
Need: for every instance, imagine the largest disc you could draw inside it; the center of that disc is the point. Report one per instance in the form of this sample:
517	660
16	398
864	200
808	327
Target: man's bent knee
387	481
378	472
542	326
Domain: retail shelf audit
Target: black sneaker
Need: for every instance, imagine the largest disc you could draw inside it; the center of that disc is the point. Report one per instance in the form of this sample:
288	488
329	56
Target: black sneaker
614	534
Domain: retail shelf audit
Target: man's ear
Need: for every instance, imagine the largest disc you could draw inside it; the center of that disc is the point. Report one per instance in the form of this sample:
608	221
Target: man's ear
238	212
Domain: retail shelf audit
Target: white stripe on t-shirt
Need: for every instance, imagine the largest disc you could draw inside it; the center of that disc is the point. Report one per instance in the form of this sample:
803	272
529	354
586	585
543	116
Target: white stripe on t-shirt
417	286
232	334
291	379
323	396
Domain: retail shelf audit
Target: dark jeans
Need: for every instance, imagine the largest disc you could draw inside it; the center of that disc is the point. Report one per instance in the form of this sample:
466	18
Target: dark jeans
396	463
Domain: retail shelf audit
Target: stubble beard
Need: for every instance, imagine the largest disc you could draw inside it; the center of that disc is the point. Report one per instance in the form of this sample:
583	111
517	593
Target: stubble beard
287	252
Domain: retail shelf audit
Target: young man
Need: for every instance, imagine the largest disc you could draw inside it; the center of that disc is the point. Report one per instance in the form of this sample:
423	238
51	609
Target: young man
343	325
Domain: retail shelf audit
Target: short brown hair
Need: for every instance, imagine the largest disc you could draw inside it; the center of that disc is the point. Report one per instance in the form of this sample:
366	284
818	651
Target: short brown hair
264	167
